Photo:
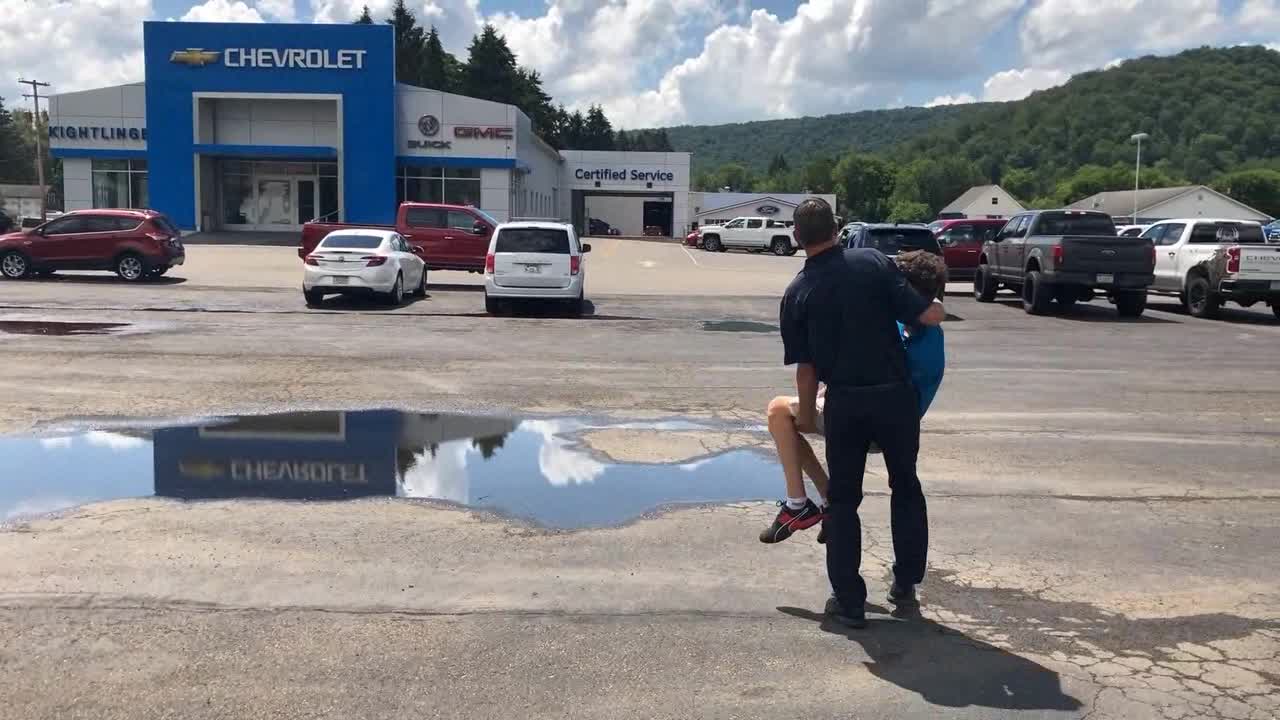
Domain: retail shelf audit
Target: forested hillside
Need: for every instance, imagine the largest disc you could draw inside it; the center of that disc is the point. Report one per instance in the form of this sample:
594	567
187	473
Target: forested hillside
1210	113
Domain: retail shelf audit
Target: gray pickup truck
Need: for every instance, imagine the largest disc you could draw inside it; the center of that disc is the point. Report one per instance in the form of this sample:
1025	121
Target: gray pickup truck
1066	256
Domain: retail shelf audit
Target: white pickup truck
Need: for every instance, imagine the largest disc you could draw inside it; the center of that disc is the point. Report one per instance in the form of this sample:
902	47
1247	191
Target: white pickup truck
1206	261
750	233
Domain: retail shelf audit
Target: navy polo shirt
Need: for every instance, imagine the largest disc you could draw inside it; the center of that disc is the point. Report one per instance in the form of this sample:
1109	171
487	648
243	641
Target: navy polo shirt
841	314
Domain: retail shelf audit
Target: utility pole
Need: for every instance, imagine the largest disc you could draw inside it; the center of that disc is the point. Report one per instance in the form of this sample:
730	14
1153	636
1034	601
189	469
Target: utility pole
35	100
1137	171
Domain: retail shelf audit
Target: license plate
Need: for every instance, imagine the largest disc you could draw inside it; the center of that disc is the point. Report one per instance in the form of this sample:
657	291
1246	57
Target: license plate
535	269
341	280
1106	278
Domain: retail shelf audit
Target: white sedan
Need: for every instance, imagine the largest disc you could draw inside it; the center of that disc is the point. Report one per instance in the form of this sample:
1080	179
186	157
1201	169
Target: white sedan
364	262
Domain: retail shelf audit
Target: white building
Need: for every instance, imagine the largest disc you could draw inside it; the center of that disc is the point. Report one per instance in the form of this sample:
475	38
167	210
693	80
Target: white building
982	202
719	208
1163	203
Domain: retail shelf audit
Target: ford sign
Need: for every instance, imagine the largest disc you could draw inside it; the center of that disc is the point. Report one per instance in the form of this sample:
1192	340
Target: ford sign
768	210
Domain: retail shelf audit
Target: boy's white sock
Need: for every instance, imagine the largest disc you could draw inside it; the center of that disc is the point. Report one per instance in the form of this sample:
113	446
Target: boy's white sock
796	503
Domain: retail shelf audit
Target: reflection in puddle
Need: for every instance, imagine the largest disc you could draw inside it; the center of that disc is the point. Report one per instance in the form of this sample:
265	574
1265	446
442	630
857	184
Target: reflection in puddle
738	326
48	327
535	469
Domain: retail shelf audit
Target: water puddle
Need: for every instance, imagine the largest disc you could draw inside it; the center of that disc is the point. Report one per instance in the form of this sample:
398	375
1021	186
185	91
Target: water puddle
539	469
738	326
60	329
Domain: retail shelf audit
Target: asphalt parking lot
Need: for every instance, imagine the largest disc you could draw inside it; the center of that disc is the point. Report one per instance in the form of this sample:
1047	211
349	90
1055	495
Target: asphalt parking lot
1103	498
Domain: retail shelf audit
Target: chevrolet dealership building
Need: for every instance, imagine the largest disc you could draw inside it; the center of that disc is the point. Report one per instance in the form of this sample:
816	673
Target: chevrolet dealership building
252	127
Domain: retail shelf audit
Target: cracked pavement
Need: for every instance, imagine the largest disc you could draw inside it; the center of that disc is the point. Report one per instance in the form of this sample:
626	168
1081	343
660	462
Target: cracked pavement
1104	526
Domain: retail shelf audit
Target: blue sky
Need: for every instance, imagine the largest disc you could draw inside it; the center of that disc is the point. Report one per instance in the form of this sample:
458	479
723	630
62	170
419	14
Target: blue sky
662	62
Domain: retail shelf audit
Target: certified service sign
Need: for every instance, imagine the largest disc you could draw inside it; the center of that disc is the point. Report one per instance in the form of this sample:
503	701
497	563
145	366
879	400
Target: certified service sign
428	125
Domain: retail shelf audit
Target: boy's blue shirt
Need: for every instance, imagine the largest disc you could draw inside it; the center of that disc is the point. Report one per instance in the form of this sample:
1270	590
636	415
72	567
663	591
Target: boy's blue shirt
926	361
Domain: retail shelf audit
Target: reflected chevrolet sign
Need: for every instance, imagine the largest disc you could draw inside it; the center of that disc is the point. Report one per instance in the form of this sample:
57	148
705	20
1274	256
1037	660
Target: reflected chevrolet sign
255	470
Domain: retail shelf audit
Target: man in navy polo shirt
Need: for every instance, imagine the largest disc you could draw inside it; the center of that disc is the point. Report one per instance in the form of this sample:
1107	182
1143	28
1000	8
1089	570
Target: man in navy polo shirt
839	320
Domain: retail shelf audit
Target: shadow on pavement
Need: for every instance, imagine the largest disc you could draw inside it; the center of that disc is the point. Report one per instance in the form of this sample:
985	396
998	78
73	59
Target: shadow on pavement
454	287
1097	311
948	668
364	303
1259	314
104	278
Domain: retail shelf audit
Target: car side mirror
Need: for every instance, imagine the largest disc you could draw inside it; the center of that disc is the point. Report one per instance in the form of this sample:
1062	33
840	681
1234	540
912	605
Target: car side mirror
415	249
479	229
586	248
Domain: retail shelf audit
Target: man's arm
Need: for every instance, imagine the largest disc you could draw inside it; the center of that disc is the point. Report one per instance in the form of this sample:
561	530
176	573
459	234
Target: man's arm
933	316
807	389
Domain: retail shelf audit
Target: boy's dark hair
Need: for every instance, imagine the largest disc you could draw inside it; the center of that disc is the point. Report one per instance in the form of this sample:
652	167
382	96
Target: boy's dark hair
926	272
815	222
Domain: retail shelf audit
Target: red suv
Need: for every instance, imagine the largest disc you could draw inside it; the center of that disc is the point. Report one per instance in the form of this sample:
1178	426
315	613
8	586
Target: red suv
136	244
961	242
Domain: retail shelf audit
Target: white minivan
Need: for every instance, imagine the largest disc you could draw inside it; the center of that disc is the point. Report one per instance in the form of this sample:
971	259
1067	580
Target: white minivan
535	260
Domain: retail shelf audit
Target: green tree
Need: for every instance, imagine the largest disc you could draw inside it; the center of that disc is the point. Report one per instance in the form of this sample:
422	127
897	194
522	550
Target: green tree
536	103
1259	189
778	165
863	184
736	177
905	211
365	18
1020	182
598	132
16	165
816	177
409	40
491	72
440	69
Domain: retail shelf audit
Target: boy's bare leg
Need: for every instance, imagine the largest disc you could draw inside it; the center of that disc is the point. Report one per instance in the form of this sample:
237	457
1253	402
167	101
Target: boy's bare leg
813	468
789	442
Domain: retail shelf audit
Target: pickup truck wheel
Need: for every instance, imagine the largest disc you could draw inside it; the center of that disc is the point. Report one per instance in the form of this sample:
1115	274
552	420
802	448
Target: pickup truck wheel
780	246
1201	301
1036	294
984	286
712	244
1131	304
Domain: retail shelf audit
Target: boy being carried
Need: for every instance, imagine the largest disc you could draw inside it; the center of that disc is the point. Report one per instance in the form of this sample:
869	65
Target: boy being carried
926	361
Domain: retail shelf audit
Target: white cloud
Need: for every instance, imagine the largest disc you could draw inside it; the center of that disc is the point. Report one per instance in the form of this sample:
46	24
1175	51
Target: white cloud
831	55
1017	84
278	10
961	99
1077	34
1259	16
222	11
74	44
113	441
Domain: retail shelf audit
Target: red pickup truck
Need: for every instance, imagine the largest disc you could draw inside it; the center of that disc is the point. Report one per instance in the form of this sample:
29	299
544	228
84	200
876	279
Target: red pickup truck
452	237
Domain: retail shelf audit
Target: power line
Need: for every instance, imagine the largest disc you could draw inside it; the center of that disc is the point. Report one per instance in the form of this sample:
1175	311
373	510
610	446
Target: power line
35	118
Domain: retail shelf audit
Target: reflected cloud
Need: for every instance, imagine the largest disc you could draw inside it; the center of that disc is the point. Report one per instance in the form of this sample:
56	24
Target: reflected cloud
113	441
40	506
55	443
560	463
442	477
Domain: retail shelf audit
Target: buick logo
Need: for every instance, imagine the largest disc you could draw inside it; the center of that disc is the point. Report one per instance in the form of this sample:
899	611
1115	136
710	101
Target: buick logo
428	125
768	210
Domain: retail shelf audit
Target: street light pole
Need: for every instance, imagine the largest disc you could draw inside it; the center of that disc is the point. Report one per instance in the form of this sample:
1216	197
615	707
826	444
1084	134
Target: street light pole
1137	171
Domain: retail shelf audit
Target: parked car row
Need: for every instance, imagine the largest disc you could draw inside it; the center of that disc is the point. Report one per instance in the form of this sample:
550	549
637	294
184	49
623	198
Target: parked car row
135	244
522	261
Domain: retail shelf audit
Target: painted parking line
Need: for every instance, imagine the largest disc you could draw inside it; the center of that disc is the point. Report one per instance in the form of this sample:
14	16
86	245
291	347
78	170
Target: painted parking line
691	257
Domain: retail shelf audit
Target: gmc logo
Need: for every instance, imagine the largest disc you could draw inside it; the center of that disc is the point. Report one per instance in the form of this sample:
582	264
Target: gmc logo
483	133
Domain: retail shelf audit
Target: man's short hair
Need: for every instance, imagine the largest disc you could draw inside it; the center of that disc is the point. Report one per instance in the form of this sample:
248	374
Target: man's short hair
926	272
815	222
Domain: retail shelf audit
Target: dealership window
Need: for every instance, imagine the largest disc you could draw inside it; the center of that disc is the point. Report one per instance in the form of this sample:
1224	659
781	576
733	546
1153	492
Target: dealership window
455	186
120	184
252	191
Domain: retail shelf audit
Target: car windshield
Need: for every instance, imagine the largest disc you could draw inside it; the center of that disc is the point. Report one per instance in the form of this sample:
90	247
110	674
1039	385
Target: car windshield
533	240
891	241
1075	224
352	242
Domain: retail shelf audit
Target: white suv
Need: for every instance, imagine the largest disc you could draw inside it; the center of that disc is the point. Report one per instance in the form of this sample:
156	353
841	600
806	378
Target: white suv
534	260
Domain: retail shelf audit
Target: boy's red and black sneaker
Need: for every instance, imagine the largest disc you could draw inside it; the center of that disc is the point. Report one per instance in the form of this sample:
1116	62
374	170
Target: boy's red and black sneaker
788	521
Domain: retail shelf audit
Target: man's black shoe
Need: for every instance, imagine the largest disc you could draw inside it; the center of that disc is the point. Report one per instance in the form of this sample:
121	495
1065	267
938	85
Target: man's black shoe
903	596
837	614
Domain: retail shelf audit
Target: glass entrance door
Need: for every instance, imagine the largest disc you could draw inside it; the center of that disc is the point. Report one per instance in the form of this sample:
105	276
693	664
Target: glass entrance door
306	200
276	196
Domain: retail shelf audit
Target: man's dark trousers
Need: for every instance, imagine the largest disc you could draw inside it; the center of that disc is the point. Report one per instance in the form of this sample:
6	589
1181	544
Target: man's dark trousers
854	417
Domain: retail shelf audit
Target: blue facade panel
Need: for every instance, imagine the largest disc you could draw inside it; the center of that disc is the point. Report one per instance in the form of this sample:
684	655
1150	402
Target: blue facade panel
356	62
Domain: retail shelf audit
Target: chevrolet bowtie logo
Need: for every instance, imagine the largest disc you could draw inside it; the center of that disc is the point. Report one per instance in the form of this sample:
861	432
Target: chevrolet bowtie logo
196	57
202	469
